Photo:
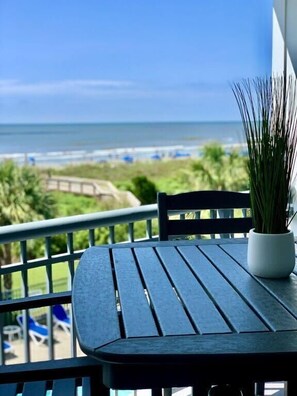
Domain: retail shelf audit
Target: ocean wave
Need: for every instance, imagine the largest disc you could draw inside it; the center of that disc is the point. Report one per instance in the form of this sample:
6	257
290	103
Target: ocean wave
125	154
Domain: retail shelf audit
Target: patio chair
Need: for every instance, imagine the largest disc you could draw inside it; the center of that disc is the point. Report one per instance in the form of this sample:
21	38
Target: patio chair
37	332
7	347
61	319
220	204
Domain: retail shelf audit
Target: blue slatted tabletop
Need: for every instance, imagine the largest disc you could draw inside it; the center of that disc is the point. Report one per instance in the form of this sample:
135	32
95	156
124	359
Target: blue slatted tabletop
180	312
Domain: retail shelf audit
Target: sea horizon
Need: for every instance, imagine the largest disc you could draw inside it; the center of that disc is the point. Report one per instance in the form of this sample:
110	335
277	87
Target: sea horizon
122	122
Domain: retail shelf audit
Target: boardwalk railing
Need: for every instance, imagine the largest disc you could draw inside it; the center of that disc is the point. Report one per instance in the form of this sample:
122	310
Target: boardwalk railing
101	189
39	256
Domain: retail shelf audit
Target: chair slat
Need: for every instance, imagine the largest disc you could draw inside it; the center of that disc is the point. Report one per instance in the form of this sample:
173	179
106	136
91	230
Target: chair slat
86	387
209	226
220	204
36	388
209	199
64	387
8	389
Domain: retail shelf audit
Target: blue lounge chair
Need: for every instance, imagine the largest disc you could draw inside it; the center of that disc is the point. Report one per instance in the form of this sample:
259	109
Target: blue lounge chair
128	159
61	318
7	347
156	157
37	332
181	154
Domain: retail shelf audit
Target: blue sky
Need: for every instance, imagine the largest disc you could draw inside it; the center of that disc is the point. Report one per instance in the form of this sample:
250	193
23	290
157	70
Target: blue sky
129	60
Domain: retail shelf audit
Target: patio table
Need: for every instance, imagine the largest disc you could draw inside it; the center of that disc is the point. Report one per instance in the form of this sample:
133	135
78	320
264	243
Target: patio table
11	331
184	313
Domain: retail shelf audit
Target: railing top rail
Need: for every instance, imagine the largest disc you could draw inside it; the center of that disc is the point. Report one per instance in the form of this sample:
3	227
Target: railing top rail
61	225
70	180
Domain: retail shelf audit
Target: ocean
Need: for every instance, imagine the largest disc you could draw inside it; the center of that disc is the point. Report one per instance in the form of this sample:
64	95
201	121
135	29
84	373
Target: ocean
64	143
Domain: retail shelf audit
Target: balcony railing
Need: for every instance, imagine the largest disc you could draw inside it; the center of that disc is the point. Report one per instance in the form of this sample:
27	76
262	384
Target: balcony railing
36	243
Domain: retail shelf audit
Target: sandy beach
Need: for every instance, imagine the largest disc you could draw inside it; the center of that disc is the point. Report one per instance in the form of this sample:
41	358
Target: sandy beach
124	155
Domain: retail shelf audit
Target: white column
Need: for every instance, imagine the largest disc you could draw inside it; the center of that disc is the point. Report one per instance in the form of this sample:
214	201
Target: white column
284	55
284	37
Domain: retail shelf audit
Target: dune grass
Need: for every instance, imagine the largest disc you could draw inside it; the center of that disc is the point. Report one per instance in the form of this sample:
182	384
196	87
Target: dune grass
165	174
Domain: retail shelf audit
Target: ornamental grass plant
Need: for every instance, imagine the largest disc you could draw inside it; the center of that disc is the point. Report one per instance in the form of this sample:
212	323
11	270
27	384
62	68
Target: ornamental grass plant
268	111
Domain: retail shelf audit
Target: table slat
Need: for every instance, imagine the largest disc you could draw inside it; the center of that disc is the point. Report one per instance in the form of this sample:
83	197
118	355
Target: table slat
284	290
169	311
137	316
267	307
240	315
94	300
203	312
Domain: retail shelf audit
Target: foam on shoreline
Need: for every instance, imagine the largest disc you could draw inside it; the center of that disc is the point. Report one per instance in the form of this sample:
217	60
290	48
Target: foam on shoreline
60	158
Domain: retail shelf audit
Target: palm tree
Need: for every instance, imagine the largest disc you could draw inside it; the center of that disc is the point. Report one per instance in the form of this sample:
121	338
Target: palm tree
23	198
218	170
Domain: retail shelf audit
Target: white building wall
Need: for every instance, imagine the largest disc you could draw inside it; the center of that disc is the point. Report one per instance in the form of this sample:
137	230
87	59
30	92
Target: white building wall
284	56
292	35
284	37
278	43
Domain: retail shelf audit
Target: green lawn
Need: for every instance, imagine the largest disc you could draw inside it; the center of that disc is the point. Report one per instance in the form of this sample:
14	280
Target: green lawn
37	279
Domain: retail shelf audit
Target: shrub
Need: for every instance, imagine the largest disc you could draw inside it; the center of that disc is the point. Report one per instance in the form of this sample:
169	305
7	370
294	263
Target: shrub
144	189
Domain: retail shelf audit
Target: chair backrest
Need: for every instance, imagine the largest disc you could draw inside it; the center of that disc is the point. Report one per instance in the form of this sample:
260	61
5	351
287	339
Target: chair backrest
59	312
172	211
19	318
7	347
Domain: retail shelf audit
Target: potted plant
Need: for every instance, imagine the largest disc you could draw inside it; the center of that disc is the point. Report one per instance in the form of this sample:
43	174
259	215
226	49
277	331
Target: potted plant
268	111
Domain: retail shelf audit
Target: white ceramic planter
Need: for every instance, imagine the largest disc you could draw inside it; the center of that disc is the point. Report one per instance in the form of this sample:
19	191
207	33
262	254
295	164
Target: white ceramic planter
271	255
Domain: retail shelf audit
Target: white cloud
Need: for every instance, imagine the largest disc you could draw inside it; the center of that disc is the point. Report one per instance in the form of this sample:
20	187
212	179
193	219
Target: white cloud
64	87
108	89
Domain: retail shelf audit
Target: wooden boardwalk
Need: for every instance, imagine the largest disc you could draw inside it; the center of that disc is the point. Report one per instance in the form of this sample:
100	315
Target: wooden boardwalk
102	189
